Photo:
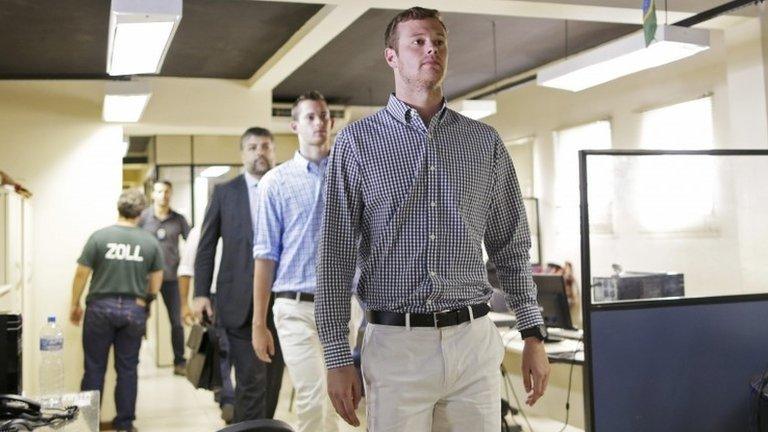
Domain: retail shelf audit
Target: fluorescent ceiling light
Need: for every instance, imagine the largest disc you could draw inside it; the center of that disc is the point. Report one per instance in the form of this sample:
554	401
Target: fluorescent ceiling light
622	57
215	171
521	141
124	101
476	108
140	32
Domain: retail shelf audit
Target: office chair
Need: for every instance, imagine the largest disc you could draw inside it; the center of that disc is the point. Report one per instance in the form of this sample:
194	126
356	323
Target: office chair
260	425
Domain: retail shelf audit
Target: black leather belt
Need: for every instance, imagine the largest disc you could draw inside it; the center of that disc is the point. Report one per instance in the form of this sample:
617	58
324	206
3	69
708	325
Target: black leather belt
437	319
295	295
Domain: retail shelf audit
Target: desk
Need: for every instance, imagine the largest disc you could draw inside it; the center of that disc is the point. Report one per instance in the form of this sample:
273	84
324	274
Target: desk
87	419
565	367
569	350
565	351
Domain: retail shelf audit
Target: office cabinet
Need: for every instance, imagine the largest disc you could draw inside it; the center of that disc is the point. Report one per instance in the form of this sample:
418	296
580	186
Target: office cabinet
15	263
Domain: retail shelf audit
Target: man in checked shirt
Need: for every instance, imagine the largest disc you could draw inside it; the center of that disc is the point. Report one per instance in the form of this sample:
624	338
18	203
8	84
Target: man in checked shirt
412	193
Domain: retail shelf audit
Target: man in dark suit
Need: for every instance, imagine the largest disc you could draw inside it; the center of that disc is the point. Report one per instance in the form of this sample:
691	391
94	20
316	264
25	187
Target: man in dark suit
230	215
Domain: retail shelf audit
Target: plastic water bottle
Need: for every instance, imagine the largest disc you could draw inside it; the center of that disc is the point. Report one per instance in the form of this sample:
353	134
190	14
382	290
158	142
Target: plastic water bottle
51	358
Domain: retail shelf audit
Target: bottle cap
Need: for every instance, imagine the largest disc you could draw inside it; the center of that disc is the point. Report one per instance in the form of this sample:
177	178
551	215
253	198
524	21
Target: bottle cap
52	319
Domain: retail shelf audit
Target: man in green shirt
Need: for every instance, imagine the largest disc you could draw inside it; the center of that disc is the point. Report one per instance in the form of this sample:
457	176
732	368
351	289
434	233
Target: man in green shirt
127	266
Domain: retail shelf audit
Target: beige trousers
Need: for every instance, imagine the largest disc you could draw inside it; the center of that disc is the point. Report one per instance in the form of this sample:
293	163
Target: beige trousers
303	355
427	379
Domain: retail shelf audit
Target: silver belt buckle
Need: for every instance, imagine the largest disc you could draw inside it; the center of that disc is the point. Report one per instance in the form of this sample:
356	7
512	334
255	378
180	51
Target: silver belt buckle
436	317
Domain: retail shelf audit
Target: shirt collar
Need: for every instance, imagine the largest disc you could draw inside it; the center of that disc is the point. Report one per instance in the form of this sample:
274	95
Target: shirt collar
250	180
151	214
404	113
300	160
304	163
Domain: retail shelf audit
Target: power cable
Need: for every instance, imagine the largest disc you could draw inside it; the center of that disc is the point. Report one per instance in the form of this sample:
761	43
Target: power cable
570	380
53	417
517	400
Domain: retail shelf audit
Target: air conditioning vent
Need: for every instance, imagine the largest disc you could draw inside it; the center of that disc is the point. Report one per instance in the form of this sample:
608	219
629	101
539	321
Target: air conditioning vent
285	112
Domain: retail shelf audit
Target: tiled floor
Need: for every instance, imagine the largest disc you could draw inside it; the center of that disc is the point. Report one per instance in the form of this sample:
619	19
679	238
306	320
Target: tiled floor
168	403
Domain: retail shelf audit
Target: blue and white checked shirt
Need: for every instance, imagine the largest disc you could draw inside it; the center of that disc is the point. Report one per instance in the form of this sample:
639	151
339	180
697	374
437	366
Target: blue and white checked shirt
288	222
411	204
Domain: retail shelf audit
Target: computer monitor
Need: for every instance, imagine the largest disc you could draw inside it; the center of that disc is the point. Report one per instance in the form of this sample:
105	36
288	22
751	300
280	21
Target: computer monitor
553	301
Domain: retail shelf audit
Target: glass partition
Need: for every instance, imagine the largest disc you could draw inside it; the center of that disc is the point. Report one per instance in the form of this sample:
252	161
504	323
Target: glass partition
193	186
674	321
205	178
684	224
181	199
532	214
3	238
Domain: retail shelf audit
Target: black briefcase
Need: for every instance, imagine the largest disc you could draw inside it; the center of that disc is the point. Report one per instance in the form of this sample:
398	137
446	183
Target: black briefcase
203	365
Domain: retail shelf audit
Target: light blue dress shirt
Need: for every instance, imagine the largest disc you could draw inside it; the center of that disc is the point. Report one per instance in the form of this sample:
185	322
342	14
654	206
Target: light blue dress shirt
289	217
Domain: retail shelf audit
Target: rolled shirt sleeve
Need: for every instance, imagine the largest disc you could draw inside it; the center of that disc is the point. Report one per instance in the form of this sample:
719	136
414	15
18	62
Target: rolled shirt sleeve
187	262
268	228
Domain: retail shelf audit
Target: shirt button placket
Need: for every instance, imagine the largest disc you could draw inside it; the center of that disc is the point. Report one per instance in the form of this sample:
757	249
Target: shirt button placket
432	193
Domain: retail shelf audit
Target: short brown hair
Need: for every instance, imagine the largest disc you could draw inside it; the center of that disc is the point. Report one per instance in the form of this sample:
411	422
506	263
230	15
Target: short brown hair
131	203
414	13
312	95
256	131
164	182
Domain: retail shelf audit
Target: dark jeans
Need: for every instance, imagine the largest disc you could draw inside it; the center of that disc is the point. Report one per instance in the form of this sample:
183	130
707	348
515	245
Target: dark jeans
170	293
117	321
257	384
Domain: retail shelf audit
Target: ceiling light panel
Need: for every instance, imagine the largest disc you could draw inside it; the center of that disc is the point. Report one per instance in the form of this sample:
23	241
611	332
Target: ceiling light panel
140	33
623	57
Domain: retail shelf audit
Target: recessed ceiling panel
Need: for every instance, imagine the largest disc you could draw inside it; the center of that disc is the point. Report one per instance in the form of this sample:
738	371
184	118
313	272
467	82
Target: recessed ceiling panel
215	39
351	68
231	38
53	38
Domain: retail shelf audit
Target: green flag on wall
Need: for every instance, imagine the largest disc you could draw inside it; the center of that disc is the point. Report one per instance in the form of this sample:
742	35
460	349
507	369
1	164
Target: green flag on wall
649	20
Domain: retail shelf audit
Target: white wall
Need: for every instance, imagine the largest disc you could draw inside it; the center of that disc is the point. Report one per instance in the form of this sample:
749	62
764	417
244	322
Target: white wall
735	56
52	140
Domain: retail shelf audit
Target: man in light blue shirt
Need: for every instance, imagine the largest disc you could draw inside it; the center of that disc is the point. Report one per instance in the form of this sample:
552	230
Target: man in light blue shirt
285	248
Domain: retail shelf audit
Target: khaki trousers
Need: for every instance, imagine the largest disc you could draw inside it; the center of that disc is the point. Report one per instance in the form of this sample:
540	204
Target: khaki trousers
428	379
303	355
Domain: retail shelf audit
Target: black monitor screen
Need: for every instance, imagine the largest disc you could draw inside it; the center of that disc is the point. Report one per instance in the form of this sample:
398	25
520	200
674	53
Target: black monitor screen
553	301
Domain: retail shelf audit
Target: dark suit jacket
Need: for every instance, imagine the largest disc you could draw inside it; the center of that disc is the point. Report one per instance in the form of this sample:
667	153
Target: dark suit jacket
228	216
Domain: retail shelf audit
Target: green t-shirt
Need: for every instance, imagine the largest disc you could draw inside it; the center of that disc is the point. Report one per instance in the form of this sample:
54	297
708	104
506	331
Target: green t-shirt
121	258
